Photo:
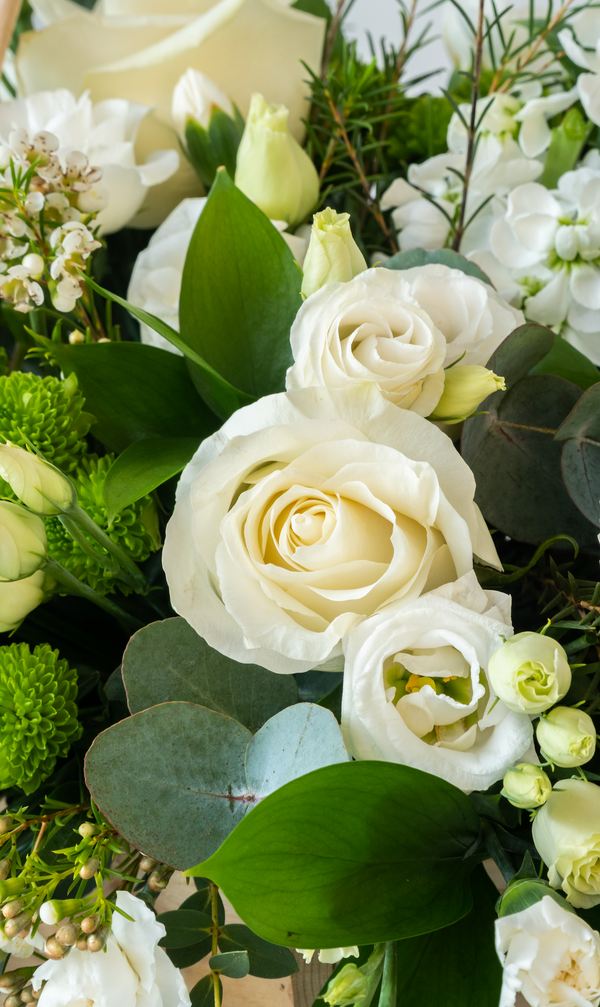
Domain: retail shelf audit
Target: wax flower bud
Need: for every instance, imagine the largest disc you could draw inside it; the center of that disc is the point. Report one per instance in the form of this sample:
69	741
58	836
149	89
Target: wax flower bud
526	786
34	264
89	869
87	830
272	169
23	545
58	909
38	485
464	389
530	673
194	97
333	255
566	736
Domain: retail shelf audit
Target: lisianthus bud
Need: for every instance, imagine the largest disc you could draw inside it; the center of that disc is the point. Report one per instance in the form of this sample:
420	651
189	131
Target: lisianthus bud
23	544
38	485
530	673
19	598
58	909
566	833
526	892
333	255
566	736
349	986
272	169
194	97
464	389
526	786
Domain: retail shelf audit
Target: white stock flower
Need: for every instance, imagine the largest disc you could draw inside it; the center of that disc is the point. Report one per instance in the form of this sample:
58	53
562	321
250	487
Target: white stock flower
156	279
132	971
535	133
550	956
18	598
310	511
566	833
415	687
585	26
194	97
369	329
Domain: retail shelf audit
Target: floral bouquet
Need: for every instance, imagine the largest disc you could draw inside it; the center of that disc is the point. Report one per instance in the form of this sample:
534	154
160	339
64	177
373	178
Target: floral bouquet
299	506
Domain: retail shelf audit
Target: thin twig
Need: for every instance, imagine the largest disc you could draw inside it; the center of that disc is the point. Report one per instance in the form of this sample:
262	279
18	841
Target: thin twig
330	38
400	62
460	228
529	55
40	834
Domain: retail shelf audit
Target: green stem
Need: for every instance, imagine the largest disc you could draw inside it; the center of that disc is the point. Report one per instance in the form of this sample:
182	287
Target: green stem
84	543
131	573
75	586
214	904
389	980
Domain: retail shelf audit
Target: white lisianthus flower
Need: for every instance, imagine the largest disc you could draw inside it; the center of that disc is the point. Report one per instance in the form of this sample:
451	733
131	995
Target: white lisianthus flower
106	133
155	283
416	691
566	833
369	329
18	598
194	97
550	956
310	511
132	971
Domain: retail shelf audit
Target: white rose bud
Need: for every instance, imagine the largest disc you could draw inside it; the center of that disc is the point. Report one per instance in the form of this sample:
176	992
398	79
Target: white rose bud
464	389
18	598
38	485
194	97
530	673
272	169
566	736
23	543
526	786
566	833
333	255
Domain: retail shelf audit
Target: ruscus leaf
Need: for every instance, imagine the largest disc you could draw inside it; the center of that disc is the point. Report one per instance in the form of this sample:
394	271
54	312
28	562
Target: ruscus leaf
144	466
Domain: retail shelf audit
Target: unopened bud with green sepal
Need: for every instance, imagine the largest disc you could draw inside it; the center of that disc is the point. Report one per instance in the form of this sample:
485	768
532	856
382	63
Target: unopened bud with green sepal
465	388
526	786
23	544
522	893
333	255
36	483
566	736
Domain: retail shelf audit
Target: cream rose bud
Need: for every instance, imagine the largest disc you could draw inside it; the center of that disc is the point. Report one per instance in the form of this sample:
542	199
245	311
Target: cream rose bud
333	255
23	544
194	97
530	672
272	169
415	689
550	956
566	736
464	389
310	511
19	598
38	485
566	833
526	786
370	329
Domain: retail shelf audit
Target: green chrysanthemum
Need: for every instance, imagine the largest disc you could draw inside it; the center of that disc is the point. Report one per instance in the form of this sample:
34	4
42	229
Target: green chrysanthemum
49	413
135	529
38	714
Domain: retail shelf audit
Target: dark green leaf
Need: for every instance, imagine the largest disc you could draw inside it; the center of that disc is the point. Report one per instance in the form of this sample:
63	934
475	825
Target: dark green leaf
351	854
267	961
580	459
203	993
233	964
520	352
200	900
240	293
182	958
184	927
567	362
333	701
444	256
142	467
317	7
169	661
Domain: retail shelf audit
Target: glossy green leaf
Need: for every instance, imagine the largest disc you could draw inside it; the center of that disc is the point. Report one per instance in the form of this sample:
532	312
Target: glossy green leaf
200	900
443	256
210	148
169	661
203	995
267	961
240	293
356	853
580	458
233	964
184	927
142	467
566	144
567	362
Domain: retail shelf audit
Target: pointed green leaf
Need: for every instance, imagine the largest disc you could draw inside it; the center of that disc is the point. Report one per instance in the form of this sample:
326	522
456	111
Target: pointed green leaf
184	927
142	467
203	994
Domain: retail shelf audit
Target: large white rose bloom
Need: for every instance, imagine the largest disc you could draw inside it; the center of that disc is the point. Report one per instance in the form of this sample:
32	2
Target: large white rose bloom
416	690
132	971
550	956
566	833
309	511
106	134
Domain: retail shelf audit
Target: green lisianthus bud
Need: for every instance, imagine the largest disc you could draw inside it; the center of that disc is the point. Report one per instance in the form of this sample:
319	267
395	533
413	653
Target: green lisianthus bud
566	736
272	168
23	543
38	485
18	598
464	389
522	894
530	673
333	255
526	786
349	986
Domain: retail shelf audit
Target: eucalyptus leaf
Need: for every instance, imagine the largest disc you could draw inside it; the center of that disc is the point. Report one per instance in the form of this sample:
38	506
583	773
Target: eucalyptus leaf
355	853
184	927
442	256
580	458
142	467
233	964
169	661
203	993
567	362
267	961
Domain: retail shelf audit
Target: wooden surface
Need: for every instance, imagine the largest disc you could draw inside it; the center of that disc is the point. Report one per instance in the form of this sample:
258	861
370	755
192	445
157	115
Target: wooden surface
9	11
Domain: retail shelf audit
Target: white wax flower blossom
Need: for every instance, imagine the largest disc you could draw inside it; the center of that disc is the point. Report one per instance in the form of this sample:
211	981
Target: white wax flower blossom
23	544
530	672
132	971
22	947
566	833
272	168
333	255
17	287
156	279
105	133
329	956
309	511
566	736
194	97
526	786
416	692
369	329
18	598
550	956
38	485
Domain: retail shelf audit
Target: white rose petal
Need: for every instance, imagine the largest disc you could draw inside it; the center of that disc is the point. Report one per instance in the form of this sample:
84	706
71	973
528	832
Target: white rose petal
566	832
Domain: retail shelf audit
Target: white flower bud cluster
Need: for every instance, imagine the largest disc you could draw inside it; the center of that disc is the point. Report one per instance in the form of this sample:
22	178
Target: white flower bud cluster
73	243
18	288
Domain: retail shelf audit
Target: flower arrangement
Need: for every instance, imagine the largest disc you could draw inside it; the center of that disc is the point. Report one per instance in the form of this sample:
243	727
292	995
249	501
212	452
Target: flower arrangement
300	433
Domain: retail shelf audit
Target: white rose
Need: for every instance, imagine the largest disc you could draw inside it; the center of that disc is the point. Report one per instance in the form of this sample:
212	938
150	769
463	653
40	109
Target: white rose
155	282
132	971
369	329
550	956
139	52
106	134
18	598
309	511
566	833
415	687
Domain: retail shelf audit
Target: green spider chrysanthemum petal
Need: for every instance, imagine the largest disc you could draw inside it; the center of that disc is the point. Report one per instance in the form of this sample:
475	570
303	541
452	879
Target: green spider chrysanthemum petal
38	714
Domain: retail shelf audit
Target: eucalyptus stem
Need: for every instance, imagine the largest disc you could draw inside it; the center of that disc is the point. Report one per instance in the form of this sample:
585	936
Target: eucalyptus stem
130	571
389	979
460	227
76	587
